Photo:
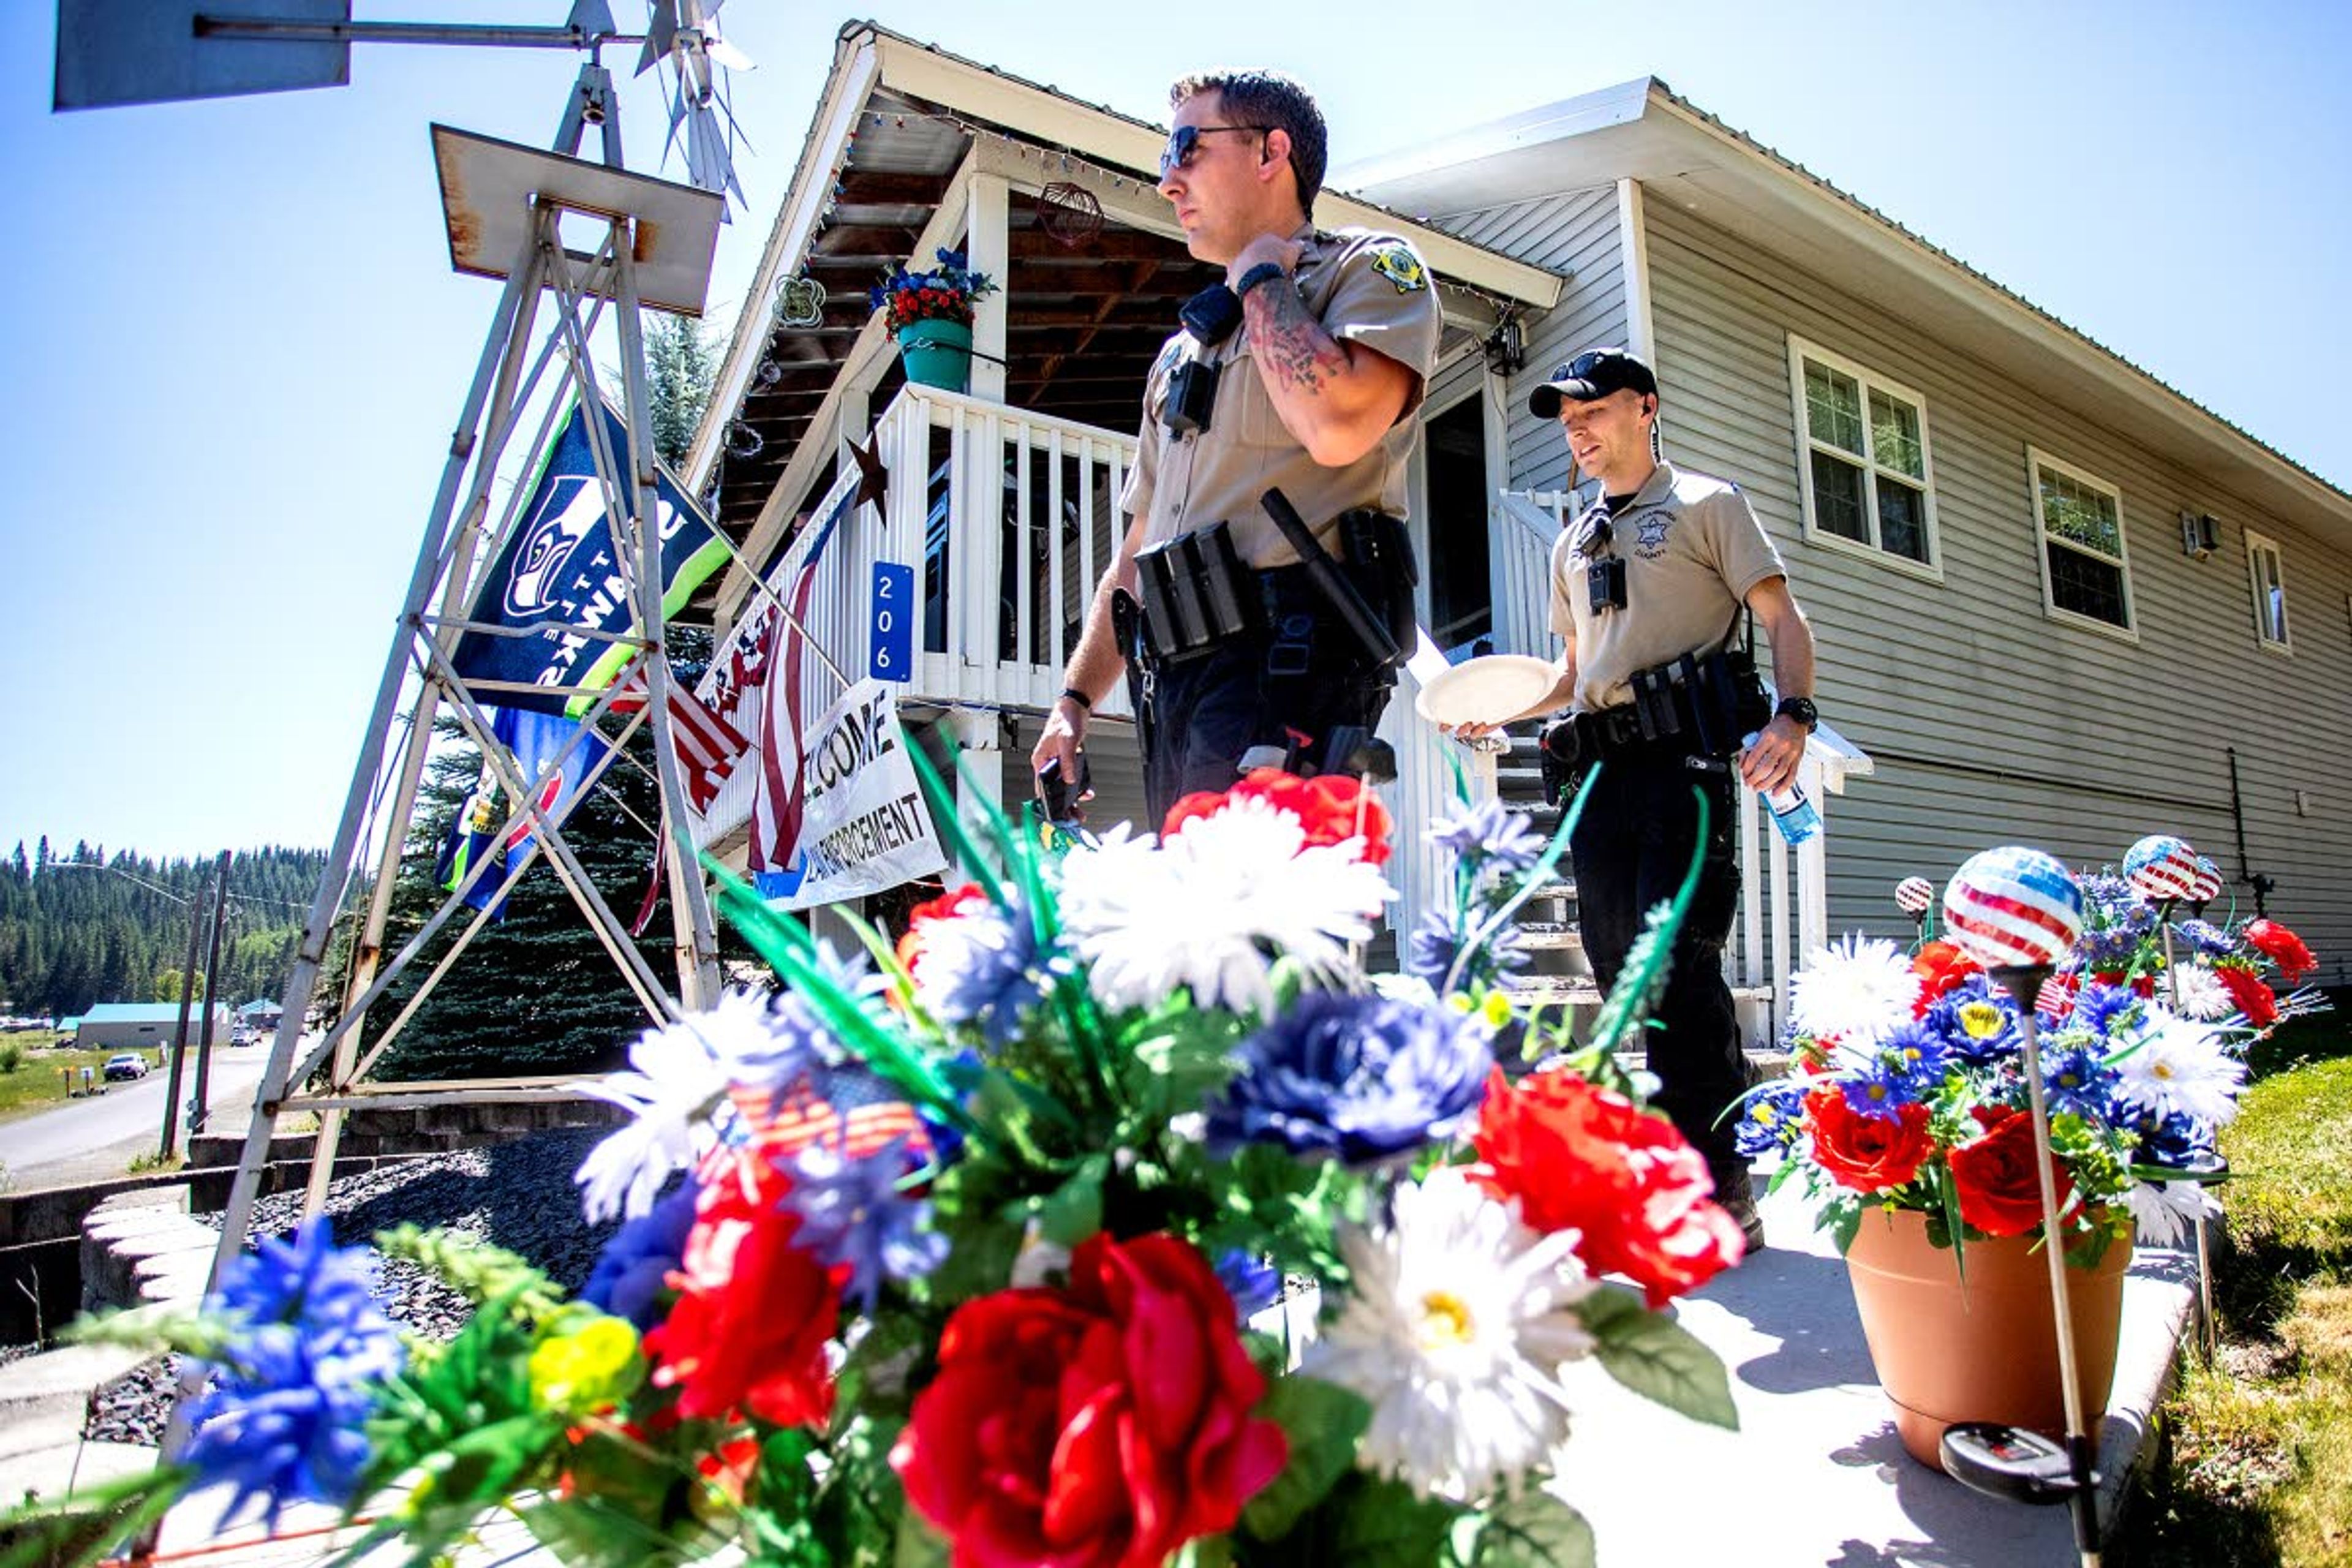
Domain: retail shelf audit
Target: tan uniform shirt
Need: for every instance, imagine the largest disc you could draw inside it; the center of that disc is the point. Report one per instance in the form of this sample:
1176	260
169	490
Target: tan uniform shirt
1365	288
1692	549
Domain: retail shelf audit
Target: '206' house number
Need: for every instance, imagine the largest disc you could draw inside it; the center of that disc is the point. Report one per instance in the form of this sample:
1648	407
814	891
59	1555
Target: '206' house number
892	630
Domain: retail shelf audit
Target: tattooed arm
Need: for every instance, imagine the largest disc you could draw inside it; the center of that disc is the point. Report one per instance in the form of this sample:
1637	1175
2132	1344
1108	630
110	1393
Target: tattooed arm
1339	398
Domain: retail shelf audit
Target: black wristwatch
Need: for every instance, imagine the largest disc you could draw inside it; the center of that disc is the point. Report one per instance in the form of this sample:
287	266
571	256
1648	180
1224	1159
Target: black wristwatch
1800	708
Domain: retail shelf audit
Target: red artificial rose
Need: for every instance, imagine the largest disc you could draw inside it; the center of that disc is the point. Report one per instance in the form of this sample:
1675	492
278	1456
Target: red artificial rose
2000	1194
1325	807
1866	1153
1587	1159
1100	1425
1941	968
753	1311
946	907
2296	962
2256	1002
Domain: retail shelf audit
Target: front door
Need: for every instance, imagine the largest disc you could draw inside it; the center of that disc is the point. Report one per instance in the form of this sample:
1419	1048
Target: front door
1461	588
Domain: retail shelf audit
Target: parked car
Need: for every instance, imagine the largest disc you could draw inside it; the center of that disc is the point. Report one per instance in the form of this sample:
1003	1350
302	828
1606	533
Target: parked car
127	1065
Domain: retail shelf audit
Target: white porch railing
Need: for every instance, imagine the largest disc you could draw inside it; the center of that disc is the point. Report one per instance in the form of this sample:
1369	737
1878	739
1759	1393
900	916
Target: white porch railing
1006	520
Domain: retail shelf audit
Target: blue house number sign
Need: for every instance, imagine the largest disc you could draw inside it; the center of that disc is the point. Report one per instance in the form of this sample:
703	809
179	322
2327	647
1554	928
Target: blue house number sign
893	630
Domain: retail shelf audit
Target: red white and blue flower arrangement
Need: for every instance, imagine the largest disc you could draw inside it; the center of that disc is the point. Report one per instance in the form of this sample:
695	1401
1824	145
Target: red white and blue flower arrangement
1908	1087
950	1251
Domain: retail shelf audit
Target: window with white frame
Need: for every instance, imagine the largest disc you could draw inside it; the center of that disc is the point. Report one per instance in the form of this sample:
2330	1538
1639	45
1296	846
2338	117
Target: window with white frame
2266	577
2084	573
1866	477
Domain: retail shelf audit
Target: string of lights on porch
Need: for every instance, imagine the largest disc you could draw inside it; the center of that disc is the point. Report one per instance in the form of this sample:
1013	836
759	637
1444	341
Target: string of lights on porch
1069	214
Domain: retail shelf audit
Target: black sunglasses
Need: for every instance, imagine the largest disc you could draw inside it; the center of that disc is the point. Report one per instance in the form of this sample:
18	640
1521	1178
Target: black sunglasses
1184	145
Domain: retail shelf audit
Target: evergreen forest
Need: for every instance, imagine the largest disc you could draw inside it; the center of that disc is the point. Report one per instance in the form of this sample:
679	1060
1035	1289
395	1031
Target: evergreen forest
84	926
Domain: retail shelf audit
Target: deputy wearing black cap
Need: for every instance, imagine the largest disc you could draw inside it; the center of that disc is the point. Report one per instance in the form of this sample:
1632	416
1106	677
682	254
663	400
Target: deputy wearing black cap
1666	563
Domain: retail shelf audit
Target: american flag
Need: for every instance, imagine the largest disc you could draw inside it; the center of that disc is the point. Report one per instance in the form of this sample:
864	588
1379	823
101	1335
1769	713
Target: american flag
833	1104
777	806
707	746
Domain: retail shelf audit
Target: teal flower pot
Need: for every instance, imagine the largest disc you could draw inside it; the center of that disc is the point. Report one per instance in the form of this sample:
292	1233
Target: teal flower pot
936	353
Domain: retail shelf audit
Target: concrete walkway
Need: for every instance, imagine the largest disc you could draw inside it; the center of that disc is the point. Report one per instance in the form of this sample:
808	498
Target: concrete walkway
1816	1477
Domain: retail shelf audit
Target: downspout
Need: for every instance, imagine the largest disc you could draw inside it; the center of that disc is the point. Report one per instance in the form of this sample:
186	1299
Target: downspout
2261	884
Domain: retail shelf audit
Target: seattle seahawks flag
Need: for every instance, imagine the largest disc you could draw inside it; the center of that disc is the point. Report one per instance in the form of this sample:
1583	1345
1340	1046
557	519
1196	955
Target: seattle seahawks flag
558	570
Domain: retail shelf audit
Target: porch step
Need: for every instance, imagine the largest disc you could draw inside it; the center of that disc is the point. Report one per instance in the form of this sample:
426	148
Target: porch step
1543	934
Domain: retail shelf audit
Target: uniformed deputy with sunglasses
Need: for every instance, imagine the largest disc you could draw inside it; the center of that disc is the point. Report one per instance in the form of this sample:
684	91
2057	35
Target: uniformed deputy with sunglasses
1304	373
1653	592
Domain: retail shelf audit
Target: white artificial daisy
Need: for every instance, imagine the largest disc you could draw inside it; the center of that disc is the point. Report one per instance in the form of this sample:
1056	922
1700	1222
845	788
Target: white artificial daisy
682	1073
2166	1212
1857	990
1211	907
2177	1065
2202	994
1460	1320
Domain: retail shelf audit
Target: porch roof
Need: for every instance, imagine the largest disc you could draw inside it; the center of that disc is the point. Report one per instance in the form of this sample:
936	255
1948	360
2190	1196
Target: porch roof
1642	130
900	123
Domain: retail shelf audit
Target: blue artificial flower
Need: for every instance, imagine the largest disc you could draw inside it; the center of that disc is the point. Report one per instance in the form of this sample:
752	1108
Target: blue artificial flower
1881	1087
1363	1077
2205	937
1489	837
1438	939
1773	1120
1977	1021
631	1272
2116	920
853	1215
2178	1142
985	966
1252	1282
2074	1079
2100	1007
284	1416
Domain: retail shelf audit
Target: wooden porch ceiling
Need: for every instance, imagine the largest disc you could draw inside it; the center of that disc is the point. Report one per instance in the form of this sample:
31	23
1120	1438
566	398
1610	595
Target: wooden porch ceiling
1084	321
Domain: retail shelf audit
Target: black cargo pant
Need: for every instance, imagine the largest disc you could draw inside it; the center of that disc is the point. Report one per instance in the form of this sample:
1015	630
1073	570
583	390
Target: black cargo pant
1198	715
1632	849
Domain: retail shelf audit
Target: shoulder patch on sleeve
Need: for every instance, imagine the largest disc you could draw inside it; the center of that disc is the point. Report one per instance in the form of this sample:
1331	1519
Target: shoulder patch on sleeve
1394	260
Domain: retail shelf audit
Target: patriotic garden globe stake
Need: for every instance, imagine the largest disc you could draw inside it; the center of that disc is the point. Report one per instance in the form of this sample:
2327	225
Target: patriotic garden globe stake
1915	897
2161	869
2017	912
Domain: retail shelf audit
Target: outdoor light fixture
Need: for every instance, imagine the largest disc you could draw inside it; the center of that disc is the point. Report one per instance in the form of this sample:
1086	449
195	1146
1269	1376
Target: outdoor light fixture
2201	534
1506	347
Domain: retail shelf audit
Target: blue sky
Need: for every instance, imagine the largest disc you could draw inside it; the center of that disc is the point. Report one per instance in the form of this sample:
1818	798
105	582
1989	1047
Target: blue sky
234	348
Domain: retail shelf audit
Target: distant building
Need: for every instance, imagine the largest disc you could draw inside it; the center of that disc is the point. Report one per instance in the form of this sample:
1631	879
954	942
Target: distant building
116	1024
260	1014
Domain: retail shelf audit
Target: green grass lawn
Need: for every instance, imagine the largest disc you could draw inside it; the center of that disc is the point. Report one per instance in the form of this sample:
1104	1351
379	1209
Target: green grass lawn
2260	1441
38	1083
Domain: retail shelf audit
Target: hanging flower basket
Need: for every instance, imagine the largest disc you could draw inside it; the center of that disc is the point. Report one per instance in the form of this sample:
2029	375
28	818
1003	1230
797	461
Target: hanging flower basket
931	314
936	353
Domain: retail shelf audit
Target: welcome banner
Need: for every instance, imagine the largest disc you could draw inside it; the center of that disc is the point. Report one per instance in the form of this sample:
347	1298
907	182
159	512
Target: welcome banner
558	572
863	824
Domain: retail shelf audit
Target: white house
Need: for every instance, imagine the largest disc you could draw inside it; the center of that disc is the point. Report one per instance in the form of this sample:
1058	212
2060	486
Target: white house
2010	539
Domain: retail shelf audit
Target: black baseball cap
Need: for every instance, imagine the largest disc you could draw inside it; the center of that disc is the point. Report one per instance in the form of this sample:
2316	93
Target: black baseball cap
1594	373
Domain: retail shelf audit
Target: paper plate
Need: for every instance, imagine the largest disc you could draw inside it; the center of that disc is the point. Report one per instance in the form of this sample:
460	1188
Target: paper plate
1485	691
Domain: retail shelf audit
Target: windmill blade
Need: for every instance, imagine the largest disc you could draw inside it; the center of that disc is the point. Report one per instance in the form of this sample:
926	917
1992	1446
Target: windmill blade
593	17
661	35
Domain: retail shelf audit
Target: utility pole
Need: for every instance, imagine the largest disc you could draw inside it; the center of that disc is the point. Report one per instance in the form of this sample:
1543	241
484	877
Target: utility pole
180	1036
197	1108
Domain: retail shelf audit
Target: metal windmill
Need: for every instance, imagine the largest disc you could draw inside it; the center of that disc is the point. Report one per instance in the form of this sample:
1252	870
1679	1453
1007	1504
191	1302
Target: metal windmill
571	238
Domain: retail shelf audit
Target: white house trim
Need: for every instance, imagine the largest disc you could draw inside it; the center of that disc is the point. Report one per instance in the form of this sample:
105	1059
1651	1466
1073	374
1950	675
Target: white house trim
1799	351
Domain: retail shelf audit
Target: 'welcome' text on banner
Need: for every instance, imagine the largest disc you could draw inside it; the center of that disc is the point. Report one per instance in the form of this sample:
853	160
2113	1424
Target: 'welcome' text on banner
865	826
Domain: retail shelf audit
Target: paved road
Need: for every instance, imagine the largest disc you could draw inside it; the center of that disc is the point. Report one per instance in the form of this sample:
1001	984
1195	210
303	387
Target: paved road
110	1130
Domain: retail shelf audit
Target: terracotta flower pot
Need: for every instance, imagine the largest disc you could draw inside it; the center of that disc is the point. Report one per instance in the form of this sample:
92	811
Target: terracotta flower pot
1985	1352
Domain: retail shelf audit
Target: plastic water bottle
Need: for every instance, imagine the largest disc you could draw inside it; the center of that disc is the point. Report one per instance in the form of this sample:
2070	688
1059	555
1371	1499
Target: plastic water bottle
1793	813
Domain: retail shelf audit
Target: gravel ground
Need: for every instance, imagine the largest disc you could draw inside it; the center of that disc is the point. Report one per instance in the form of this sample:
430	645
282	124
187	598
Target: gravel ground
516	1195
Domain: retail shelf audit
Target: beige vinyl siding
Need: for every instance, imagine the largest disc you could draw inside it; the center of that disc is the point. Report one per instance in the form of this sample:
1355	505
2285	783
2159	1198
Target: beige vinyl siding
1948	684
1574	234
